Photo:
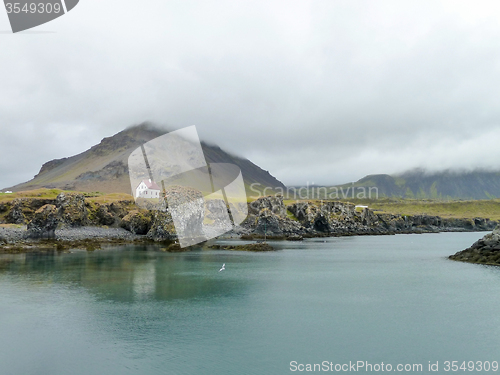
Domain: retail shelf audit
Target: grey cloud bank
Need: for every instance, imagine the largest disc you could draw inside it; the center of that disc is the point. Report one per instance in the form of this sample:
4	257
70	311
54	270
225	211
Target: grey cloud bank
318	91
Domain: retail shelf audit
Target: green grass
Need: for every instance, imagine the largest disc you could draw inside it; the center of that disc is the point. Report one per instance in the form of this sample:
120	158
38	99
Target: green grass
485	208
11	226
43	193
291	216
38	193
454	209
488	208
109	198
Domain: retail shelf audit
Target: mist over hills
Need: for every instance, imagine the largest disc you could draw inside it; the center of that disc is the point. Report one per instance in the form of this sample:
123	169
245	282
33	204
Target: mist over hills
448	184
104	167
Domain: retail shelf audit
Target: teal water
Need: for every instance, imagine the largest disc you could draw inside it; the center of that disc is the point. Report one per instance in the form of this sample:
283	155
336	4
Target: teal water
134	310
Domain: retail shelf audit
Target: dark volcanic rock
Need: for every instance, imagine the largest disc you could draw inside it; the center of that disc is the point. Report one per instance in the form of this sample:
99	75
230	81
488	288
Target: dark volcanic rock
72	210
268	216
162	227
16	214
44	222
273	203
21	210
336	218
104	215
320	218
4	207
136	222
484	251
187	206
258	246
268	223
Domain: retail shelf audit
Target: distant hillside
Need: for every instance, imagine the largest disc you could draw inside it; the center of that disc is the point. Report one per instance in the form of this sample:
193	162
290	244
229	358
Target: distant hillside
436	185
104	166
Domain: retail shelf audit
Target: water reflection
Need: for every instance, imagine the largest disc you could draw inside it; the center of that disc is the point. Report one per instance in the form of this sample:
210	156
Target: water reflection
128	273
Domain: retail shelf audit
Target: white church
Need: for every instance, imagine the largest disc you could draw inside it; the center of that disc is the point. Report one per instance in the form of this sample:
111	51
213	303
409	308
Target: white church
147	189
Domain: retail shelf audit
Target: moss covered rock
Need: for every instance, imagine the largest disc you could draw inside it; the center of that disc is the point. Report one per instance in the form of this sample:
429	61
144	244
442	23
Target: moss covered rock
44	222
72	209
136	222
162	227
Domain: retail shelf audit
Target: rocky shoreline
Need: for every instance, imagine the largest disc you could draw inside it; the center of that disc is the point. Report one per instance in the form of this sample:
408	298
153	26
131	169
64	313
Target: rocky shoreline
17	240
70	220
270	217
484	251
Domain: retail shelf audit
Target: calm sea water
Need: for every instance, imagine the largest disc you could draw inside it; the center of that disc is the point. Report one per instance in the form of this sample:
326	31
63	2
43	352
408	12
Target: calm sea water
134	310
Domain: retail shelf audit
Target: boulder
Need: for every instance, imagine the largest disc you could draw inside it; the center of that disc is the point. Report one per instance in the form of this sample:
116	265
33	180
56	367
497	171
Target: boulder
16	213
268	223
104	215
162	227
136	222
21	210
4	207
274	225
272	203
72	210
187	206
44	222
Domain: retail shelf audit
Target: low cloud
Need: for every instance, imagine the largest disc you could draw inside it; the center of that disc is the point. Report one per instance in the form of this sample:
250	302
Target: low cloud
316	91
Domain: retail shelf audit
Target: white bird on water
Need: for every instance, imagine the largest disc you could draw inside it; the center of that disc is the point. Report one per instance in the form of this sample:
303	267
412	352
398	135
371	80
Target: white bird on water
223	267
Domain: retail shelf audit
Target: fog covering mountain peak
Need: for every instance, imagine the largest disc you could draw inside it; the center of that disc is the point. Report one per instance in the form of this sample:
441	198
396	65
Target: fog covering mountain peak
104	166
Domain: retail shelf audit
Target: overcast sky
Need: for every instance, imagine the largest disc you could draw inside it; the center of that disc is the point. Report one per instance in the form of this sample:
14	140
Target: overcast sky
313	91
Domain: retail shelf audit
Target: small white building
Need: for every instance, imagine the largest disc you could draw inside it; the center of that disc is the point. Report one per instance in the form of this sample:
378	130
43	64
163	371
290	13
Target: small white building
147	189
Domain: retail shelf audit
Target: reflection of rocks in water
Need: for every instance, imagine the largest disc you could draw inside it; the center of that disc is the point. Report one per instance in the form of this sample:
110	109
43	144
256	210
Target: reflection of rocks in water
144	280
127	274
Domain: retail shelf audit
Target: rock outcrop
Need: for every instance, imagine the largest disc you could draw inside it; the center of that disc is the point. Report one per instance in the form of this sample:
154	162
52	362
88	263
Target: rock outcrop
137	222
187	206
162	227
104	215
44	222
21	210
258	246
484	251
269	215
16	213
72	210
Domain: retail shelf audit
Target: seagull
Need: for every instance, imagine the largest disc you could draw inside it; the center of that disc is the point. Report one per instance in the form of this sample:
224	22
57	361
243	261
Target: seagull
223	267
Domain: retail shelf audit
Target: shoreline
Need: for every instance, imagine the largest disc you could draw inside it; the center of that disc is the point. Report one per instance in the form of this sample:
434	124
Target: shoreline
485	251
71	221
89	238
16	240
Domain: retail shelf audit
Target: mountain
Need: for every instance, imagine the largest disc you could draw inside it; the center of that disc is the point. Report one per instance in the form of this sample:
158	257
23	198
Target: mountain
478	184
104	167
